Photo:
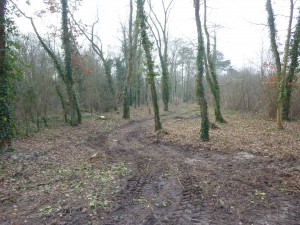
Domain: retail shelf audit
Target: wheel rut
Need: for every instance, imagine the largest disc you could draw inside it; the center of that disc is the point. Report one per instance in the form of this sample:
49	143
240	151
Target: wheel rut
157	192
178	185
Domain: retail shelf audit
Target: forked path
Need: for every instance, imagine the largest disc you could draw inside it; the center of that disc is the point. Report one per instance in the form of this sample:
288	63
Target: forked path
178	184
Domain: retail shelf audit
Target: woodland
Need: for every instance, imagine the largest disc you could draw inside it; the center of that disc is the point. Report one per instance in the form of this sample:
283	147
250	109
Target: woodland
162	130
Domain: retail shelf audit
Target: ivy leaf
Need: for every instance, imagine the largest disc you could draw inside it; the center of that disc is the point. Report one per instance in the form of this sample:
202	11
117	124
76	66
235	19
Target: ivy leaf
4	118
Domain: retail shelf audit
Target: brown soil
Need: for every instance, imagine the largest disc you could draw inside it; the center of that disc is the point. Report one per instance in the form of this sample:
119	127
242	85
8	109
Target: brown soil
113	172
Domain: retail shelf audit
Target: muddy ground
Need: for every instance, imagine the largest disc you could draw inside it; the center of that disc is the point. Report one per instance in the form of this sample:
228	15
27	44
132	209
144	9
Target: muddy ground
113	172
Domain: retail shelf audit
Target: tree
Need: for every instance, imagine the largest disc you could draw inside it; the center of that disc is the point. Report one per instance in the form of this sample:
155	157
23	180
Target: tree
186	60
221	63
294	55
280	69
68	71
131	60
204	131
211	72
6	119
64	67
35	92
147	45
174	49
161	39
107	63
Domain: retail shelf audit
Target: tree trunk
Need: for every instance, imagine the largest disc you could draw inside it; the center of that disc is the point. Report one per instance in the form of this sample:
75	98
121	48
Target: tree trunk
6	120
63	102
294	54
204	131
66	39
158	125
271	23
150	64
126	108
211	71
165	83
162	46
107	69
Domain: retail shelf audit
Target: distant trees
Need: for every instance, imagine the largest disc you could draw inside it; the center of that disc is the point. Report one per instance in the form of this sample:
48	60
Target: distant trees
36	97
204	131
222	65
243	91
58	69
186	63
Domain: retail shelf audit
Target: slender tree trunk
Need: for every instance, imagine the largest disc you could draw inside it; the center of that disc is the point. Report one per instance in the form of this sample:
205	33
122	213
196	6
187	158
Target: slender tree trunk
150	64
63	102
204	131
271	23
294	54
165	82
139	90
162	45
126	108
107	69
158	125
6	120
211	71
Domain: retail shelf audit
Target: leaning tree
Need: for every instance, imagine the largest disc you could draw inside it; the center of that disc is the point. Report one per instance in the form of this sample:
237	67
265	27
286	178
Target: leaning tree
64	67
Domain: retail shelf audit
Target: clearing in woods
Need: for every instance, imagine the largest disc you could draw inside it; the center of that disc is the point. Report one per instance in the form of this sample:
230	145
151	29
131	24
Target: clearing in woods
111	171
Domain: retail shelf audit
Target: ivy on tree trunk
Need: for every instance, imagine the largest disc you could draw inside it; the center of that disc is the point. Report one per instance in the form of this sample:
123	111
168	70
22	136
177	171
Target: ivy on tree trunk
211	72
281	70
294	55
66	40
204	131
6	120
147	45
271	23
161	39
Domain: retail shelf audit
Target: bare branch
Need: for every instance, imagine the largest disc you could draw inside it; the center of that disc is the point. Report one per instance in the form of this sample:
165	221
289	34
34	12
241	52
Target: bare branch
96	48
45	46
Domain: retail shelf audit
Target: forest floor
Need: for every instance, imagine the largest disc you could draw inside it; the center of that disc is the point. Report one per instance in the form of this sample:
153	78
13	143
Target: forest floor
120	172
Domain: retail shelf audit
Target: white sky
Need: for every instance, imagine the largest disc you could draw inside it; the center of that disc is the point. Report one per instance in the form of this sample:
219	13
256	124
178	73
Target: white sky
240	38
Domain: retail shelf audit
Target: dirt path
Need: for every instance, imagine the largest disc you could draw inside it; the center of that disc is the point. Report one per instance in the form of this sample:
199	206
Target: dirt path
173	184
142	178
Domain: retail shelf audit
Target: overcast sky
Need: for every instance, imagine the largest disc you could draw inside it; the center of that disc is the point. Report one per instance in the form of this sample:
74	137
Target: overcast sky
240	38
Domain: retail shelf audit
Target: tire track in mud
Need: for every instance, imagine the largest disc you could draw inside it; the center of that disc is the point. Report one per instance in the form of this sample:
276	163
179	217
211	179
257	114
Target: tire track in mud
157	192
190	209
176	185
